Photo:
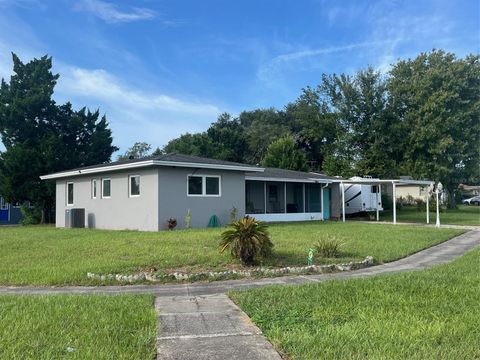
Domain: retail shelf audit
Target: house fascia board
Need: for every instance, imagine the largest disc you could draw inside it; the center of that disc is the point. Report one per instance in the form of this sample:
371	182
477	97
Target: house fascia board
309	180
140	164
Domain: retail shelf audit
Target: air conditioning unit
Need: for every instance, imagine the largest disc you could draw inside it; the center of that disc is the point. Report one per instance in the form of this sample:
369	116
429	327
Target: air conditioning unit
75	218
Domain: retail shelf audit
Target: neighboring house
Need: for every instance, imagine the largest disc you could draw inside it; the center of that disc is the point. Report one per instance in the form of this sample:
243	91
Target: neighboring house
144	193
9	214
469	190
405	190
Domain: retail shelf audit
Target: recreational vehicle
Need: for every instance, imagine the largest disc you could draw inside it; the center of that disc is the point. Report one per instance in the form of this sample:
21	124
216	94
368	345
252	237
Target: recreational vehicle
362	197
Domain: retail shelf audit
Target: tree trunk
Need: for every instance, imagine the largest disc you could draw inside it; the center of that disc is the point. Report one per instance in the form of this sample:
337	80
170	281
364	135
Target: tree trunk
451	203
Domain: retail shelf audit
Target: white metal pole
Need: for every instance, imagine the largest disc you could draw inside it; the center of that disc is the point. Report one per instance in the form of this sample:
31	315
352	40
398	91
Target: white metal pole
394	195
427	201
376	206
437	224
342	185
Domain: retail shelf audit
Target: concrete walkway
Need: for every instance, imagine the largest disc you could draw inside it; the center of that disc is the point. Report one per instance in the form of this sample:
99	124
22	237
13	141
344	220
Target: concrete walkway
441	253
208	327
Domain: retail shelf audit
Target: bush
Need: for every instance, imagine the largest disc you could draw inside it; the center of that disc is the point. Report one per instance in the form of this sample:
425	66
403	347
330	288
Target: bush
30	215
248	240
328	247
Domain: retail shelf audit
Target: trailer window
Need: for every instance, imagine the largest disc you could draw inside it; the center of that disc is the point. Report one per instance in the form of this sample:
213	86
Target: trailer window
374	189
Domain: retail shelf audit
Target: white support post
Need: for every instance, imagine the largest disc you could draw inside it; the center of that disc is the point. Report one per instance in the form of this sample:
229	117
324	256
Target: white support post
342	185
437	224
376	206
394	195
427	201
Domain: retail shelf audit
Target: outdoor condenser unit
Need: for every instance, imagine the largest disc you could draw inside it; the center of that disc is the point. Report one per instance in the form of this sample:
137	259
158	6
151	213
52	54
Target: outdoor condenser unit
75	218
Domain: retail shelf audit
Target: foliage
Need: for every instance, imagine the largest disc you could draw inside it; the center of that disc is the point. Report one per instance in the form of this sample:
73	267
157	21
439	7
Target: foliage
42	137
188	219
329	246
430	314
64	256
283	154
248	240
436	99
171	223
233	214
45	327
137	151
31	215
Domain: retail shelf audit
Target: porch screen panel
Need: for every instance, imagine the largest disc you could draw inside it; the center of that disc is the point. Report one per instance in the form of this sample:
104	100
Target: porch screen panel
313	197
254	197
294	198
275	197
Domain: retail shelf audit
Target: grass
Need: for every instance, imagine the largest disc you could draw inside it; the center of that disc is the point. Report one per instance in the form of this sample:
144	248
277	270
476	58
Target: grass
77	327
49	256
463	215
432	314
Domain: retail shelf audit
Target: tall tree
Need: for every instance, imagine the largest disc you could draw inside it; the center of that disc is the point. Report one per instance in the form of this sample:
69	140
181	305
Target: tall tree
366	123
436	97
137	151
283	154
41	137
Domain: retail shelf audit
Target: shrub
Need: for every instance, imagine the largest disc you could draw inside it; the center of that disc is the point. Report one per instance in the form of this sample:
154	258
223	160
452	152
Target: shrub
30	215
248	240
329	247
171	223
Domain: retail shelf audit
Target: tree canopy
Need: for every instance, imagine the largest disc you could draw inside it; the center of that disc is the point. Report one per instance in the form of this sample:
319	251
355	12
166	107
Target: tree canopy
41	137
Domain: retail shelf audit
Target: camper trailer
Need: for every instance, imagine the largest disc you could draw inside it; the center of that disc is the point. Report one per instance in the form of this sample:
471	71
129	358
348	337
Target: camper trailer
362	197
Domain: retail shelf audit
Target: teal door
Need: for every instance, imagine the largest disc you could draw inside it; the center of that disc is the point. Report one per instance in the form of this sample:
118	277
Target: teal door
326	204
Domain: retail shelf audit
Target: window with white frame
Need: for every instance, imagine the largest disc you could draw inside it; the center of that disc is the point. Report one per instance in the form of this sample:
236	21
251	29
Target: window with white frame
94	188
106	188
134	186
204	185
70	194
3	204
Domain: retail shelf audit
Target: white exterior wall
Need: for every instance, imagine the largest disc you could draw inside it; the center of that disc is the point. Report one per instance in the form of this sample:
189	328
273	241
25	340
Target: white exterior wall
119	211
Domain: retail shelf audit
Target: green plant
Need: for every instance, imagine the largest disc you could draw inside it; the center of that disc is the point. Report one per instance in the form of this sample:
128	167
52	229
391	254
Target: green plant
188	219
30	215
247	239
328	246
233	214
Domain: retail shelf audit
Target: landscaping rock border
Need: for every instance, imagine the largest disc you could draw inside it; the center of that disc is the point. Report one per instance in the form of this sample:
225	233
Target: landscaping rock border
258	271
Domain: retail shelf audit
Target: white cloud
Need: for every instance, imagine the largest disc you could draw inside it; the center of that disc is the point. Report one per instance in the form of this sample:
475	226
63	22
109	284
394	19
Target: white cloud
134	114
111	14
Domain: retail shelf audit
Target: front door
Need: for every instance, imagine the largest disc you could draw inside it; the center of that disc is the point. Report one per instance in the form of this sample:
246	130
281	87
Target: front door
326	204
3	210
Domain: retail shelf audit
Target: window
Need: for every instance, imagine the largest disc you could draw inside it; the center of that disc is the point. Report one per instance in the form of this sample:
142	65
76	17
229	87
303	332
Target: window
106	188
69	194
313	198
374	189
94	188
3	204
134	185
203	185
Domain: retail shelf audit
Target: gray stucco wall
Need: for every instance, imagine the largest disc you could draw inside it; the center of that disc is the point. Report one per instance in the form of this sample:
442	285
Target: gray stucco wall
119	211
174	201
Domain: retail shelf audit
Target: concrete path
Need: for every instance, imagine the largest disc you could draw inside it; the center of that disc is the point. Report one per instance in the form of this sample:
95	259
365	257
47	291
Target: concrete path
208	327
442	253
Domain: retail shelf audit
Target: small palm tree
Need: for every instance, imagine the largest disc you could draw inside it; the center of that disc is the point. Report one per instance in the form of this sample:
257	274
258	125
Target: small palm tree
248	240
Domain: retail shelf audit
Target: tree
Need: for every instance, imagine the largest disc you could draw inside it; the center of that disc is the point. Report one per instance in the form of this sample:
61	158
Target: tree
283	154
436	98
365	123
314	126
191	144
228	136
41	137
137	151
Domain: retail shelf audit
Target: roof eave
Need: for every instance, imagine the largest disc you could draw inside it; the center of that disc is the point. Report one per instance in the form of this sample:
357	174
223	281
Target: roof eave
147	163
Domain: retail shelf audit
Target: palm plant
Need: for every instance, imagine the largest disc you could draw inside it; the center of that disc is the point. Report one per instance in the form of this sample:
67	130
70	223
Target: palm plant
248	240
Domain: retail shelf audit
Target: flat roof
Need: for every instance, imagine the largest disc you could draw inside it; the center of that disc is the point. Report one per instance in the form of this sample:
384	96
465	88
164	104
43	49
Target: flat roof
274	174
368	181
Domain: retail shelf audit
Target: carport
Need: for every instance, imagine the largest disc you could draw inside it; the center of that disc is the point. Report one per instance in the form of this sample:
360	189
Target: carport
394	183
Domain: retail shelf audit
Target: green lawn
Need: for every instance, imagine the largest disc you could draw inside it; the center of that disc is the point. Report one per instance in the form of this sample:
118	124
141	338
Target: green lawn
77	327
463	215
48	256
432	314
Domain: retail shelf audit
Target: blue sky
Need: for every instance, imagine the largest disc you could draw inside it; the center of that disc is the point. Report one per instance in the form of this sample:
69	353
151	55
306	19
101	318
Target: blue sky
162	68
